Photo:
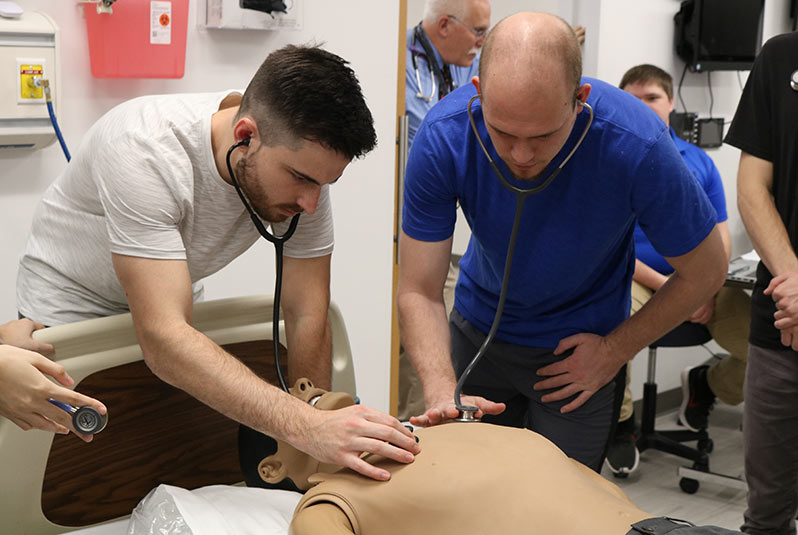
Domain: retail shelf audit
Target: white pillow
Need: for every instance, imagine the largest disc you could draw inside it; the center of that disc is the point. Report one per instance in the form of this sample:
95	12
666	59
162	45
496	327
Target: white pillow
214	510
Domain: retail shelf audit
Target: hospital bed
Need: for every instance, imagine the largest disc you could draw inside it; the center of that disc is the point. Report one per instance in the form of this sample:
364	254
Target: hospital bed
155	434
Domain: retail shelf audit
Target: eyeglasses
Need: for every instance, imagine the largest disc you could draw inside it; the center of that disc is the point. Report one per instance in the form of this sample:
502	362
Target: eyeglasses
479	34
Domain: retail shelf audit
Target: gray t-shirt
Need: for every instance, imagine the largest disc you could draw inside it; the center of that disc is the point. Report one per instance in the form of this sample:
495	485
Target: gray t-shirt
143	183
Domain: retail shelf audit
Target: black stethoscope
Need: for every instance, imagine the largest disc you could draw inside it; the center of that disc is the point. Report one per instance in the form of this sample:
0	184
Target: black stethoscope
279	242
436	75
467	413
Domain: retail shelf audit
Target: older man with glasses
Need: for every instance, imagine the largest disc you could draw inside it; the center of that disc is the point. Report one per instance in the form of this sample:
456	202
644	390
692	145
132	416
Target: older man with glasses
442	53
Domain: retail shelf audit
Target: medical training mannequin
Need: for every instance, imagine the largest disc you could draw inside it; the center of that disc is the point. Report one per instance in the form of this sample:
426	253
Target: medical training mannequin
469	478
290	463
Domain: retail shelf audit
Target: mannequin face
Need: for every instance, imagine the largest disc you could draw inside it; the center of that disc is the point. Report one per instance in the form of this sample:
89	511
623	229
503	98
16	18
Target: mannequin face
290	463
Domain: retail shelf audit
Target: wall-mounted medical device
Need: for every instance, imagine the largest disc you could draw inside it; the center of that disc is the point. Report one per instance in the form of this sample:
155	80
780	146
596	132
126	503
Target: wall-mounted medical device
250	14
29	53
266	6
707	133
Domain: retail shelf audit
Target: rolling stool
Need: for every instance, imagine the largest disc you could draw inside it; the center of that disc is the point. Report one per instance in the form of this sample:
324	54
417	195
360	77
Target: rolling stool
685	335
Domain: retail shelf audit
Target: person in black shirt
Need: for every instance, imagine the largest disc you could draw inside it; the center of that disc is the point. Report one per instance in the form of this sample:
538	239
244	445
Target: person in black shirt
765	129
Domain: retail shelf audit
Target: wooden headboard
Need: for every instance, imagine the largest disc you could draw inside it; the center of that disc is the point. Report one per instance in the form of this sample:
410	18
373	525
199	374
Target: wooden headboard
155	434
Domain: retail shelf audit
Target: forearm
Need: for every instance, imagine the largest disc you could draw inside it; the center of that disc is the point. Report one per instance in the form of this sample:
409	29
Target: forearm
425	336
723	228
305	306
766	229
648	276
189	360
310	343
698	276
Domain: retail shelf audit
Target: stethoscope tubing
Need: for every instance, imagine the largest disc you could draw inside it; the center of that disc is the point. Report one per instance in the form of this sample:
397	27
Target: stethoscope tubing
420	93
279	242
434	69
520	196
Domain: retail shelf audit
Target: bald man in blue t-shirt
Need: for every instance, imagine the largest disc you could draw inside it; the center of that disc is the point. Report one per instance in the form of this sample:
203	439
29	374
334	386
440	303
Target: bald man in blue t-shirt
565	332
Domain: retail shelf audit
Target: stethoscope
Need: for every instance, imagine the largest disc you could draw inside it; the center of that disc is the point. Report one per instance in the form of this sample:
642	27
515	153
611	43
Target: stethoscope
435	73
87	420
793	80
279	242
467	413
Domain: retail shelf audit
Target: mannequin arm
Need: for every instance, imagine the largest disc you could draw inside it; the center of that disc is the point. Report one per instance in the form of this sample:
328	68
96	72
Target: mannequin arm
322	517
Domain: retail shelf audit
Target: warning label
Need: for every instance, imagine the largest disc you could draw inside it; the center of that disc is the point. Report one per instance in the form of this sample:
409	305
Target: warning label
160	23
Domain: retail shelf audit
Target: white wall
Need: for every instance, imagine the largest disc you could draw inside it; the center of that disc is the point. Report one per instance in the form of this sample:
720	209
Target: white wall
220	59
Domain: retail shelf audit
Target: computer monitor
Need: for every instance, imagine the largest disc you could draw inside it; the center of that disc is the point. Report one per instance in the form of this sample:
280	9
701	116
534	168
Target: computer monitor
719	35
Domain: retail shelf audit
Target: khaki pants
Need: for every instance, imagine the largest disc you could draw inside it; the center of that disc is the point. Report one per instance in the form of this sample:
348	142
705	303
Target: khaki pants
411	393
729	326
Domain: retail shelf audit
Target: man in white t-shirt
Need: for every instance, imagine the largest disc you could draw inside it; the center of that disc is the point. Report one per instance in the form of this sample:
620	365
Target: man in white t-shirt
146	209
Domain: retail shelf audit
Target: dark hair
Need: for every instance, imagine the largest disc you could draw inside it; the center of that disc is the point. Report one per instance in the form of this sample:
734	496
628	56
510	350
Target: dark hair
304	92
642	74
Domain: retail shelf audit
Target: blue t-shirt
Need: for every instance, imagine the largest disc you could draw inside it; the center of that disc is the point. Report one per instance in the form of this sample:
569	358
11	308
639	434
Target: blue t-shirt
574	256
415	106
706	173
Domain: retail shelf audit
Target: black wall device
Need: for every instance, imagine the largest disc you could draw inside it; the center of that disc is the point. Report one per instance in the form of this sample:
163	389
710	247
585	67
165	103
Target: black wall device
719	35
267	6
706	133
685	125
710	133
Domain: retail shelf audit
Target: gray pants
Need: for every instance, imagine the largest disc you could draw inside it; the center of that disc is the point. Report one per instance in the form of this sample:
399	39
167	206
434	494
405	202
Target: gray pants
770	434
662	525
507	373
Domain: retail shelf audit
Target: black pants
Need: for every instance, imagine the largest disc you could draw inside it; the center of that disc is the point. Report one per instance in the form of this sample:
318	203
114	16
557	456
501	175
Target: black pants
662	525
506	374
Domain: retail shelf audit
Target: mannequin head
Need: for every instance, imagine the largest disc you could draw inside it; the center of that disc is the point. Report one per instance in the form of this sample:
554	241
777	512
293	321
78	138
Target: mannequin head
287	467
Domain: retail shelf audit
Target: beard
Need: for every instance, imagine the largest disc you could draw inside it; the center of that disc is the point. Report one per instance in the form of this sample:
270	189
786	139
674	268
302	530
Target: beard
255	192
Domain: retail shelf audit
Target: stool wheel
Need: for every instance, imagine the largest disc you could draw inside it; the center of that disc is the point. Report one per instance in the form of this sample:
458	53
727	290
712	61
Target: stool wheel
706	445
690	486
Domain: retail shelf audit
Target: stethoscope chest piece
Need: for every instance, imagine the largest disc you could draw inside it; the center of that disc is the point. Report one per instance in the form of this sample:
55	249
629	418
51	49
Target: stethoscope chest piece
794	80
466	415
88	421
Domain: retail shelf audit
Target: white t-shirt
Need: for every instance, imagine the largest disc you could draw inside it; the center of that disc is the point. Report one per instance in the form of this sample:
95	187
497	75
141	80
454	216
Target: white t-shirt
143	183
